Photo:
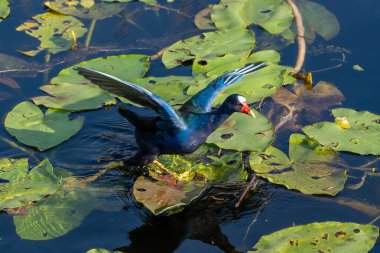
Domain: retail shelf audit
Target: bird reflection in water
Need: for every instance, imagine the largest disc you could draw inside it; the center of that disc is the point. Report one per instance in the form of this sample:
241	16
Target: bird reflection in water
201	221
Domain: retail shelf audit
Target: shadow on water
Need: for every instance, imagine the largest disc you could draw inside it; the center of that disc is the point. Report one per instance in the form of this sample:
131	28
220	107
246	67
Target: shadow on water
201	221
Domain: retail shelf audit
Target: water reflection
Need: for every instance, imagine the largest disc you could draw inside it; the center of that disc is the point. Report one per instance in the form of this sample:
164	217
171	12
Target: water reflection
202	221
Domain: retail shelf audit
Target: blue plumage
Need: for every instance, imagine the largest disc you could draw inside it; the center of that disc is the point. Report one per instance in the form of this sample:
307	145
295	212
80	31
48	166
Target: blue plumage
160	129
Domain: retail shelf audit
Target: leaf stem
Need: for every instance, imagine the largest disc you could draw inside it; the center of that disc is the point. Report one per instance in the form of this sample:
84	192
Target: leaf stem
13	144
253	180
107	167
89	33
300	36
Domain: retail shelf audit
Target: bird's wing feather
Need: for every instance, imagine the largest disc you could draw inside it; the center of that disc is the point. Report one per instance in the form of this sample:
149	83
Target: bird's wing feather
133	93
202	101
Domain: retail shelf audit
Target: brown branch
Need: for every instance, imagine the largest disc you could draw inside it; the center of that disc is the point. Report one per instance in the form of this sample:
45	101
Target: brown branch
253	180
300	36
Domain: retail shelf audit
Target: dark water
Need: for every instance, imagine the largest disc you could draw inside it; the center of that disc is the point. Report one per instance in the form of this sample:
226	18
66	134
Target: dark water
208	226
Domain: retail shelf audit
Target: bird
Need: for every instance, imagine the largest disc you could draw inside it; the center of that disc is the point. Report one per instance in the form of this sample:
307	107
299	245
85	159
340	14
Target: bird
161	129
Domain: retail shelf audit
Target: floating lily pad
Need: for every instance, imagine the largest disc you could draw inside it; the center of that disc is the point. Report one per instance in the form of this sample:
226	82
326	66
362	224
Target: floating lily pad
54	216
56	32
125	67
203	164
4	9
163	194
30	126
304	104
89	9
317	20
102	251
327	236
241	132
23	186
71	91
220	65
74	97
152	2
275	16
203	19
311	168
209	46
353	131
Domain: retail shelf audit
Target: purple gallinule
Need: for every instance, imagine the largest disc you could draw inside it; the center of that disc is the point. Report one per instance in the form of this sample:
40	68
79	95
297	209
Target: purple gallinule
160	129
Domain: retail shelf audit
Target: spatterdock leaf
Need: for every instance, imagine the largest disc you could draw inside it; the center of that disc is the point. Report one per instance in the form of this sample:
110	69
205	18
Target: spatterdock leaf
241	132
4	9
209	46
54	216
73	97
165	195
318	20
23	186
310	168
275	16
327	236
54	31
71	91
32	127
85	9
353	131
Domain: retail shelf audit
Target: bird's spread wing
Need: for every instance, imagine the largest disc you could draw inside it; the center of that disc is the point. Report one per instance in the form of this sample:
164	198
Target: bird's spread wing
135	94
202	101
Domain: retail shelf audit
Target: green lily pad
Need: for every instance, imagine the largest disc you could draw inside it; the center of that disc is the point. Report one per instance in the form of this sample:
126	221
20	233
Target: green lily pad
330	236
89	9
152	2
4	9
275	16
209	46
102	251
125	67
56	32
31	127
263	83
241	132
73	97
220	65
202	19
311	168
163	194
54	216
24	186
71	91
353	131
204	163
317	20
171	88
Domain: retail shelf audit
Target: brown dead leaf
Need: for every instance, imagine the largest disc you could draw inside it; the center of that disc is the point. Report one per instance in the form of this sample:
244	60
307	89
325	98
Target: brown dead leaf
10	82
297	106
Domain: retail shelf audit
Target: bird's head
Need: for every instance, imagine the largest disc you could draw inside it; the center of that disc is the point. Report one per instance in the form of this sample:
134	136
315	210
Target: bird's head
238	103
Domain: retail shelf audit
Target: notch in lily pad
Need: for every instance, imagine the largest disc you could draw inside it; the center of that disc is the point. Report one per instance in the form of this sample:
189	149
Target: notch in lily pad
33	128
310	168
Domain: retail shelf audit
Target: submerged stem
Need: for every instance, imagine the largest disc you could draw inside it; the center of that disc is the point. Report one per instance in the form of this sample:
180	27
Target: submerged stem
13	144
89	33
107	167
253	180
